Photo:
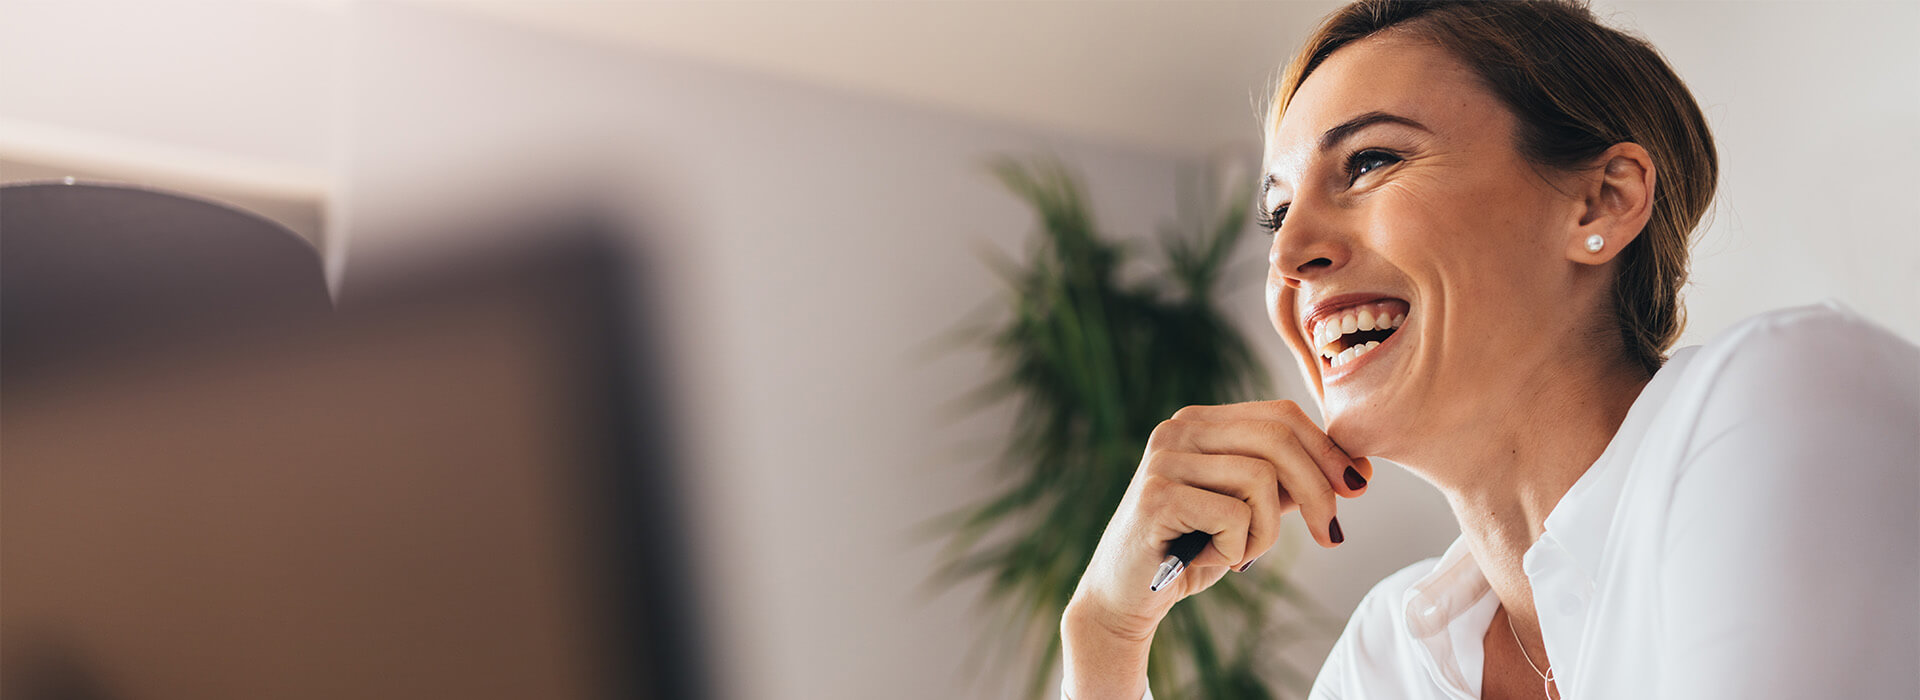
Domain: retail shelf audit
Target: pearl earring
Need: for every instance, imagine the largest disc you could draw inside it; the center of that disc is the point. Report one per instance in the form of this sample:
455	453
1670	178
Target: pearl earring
1595	243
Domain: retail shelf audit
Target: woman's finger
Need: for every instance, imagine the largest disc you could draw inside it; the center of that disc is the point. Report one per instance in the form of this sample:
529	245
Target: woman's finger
1343	471
1276	443
1247	478
1176	508
1332	459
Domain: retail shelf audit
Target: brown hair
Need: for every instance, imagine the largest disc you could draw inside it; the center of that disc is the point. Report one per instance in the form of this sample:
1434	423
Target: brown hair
1576	88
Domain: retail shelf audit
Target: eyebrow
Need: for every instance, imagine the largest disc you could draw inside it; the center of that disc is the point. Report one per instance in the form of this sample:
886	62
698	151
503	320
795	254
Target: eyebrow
1345	130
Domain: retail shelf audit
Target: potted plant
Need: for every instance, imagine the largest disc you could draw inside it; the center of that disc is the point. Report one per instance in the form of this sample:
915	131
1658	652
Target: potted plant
1094	364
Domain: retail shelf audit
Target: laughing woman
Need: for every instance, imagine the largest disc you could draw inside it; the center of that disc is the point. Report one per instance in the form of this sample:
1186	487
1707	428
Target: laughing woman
1480	215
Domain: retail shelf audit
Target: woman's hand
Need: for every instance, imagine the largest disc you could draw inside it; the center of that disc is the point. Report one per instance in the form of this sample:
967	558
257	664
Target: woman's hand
1230	471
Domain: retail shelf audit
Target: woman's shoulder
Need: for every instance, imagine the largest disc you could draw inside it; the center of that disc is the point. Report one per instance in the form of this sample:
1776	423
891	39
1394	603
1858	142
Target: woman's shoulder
1806	375
1803	354
1779	479
1828	334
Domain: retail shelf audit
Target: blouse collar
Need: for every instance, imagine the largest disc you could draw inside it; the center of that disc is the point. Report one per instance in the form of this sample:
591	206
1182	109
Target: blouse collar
1448	609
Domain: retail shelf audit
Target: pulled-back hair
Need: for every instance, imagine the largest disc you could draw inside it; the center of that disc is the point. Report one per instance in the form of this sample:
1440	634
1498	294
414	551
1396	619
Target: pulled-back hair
1576	88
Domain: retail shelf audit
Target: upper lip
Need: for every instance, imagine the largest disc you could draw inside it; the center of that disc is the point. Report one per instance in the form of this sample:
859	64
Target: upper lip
1329	305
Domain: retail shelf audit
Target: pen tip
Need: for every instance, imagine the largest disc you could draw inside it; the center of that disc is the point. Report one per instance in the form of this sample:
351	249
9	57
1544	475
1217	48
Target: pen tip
1169	570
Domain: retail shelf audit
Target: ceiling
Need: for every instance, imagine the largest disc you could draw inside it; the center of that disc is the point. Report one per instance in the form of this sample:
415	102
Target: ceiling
1183	78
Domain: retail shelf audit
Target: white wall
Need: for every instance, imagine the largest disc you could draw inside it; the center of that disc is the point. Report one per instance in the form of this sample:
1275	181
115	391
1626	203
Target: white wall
235	79
1815	106
232	101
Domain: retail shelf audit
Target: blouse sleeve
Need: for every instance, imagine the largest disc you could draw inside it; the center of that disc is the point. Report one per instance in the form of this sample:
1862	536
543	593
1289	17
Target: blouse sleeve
1792	566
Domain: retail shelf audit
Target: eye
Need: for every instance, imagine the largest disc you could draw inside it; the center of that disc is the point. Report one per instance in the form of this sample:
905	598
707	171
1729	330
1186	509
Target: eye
1271	220
1363	162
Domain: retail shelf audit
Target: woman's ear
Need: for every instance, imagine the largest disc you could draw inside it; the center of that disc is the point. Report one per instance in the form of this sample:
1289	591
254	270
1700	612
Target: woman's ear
1617	201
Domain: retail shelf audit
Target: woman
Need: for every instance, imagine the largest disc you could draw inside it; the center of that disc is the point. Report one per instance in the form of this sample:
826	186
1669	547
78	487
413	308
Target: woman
1480	215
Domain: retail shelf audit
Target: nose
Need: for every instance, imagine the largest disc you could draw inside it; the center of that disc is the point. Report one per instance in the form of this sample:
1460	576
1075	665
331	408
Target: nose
1307	247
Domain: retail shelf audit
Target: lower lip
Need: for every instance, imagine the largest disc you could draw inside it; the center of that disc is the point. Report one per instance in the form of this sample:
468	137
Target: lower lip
1329	374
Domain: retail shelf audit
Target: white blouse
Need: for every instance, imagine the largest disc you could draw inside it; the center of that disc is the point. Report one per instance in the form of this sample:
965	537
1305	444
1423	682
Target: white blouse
1752	531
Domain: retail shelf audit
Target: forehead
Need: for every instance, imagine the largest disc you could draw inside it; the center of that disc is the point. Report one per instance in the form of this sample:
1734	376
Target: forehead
1395	74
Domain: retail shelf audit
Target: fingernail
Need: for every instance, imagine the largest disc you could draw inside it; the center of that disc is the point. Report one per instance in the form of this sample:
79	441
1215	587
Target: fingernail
1333	530
1243	567
1354	481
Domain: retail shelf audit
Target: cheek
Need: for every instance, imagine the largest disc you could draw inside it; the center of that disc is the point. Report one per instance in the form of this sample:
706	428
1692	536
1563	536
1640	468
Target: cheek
1419	216
1279	305
1482	213
1447	237
1281	313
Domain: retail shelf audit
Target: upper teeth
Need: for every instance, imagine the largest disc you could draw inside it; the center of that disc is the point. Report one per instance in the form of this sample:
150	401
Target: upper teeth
1379	316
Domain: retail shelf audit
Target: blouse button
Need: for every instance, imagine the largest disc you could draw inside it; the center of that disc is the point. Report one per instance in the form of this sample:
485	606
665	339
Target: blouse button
1430	615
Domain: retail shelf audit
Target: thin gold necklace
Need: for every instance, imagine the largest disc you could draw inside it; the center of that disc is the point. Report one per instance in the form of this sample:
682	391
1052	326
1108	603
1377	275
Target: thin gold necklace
1547	678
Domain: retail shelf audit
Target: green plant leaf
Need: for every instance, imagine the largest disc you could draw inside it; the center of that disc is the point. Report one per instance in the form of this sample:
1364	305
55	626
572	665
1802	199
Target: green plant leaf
1092	366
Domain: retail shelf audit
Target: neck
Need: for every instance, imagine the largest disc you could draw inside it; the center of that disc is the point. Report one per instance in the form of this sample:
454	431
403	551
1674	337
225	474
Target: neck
1503	479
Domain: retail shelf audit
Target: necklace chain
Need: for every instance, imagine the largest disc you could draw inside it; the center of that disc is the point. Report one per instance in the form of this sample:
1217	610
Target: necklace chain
1547	677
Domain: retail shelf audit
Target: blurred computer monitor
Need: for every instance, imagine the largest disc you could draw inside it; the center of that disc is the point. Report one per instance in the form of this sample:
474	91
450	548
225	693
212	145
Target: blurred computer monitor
457	486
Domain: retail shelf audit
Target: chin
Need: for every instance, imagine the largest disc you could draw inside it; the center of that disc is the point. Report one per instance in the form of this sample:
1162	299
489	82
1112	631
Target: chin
1360	431
1345	423
1351	433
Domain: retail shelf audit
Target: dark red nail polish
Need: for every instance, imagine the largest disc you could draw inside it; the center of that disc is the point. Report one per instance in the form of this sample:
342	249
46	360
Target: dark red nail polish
1243	567
1354	481
1333	529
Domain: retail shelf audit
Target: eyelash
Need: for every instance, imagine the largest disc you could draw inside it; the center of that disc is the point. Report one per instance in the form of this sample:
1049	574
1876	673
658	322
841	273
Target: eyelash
1271	220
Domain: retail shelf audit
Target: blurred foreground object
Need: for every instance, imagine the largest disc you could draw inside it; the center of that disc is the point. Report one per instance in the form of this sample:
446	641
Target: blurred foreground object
100	269
1096	364
447	489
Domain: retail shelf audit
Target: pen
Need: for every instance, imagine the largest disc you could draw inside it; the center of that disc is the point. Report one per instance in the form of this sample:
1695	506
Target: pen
1179	555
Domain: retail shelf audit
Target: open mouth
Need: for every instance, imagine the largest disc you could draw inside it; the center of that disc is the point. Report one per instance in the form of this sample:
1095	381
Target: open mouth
1346	334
